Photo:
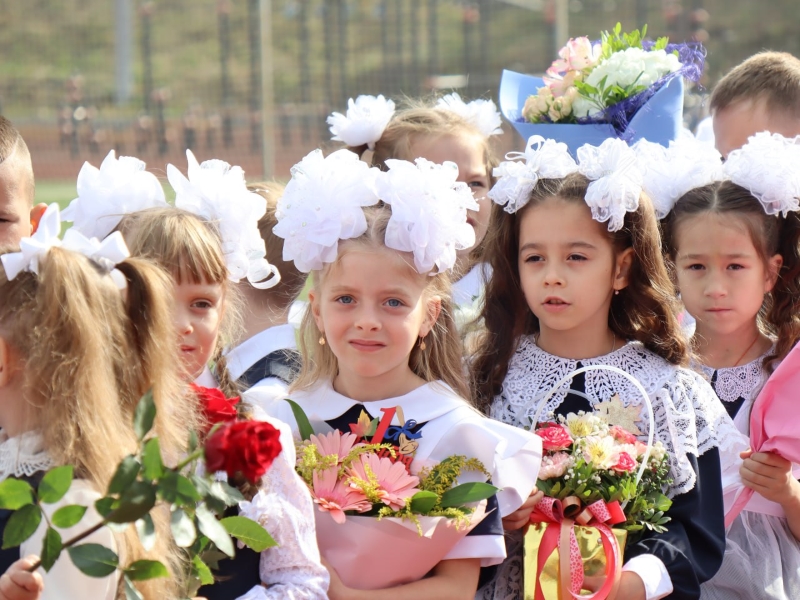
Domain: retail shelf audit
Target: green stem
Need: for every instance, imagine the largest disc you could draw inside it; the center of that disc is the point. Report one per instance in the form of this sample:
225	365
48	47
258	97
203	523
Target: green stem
194	456
72	541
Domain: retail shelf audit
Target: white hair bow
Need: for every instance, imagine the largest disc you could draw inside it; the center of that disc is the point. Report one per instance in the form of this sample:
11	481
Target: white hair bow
107	253
364	123
119	187
217	192
482	114
322	204
616	181
768	165
429	212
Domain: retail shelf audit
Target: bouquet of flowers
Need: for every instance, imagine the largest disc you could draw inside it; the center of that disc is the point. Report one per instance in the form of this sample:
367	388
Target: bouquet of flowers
597	478
621	86
368	499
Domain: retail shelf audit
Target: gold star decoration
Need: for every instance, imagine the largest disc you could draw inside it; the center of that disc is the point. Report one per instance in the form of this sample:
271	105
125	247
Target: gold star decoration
618	414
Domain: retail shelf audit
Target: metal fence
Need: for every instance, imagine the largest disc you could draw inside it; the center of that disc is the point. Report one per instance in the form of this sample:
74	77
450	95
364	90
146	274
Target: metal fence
80	77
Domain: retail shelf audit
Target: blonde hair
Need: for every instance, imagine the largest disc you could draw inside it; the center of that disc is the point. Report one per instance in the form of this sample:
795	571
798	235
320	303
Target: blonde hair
442	358
72	330
190	249
770	76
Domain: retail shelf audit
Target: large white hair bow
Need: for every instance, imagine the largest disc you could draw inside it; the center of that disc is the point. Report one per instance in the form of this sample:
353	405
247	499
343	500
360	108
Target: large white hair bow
482	114
119	187
364	123
321	205
768	165
429	212
616	181
217	192
516	177
670	173
108	253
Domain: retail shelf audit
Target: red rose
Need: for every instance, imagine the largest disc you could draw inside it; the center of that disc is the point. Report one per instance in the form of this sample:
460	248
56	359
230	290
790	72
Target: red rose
216	408
554	437
625	463
623	436
246	447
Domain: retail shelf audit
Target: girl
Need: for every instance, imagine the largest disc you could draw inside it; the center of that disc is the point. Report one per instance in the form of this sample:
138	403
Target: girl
449	130
578	279
379	333
734	246
64	329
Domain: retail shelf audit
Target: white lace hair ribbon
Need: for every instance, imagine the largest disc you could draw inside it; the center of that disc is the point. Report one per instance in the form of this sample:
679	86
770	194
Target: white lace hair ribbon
670	173
517	176
616	181
364	123
429	212
119	187
217	192
322	204
34	248
108	253
482	114
768	165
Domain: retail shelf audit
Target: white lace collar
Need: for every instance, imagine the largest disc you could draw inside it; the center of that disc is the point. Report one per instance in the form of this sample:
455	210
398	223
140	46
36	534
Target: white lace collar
23	455
733	383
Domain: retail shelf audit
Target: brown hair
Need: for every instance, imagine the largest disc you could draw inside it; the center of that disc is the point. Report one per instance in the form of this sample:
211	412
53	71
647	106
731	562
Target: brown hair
190	249
71	327
644	311
440	361
292	280
770	235
14	148
770	76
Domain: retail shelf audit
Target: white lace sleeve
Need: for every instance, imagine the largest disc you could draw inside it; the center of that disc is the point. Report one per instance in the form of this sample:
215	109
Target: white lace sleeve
291	570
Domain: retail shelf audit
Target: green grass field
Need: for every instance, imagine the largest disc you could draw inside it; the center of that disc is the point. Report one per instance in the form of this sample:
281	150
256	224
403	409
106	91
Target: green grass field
54	190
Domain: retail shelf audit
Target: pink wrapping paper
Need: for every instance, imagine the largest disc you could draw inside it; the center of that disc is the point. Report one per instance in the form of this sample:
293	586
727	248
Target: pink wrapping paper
370	555
774	423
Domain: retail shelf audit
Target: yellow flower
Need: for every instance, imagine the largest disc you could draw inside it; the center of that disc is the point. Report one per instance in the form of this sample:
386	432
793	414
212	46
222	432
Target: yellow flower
600	452
581	426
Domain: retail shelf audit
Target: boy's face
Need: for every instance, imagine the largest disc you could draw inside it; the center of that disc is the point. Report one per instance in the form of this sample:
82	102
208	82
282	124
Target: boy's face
737	122
15	203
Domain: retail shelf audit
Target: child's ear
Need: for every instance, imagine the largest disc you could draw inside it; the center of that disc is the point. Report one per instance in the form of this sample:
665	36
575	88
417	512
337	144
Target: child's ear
6	363
434	309
313	301
773	271
622	268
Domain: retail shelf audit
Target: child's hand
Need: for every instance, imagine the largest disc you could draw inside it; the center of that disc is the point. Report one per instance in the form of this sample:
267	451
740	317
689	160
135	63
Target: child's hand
18	584
522	516
770	475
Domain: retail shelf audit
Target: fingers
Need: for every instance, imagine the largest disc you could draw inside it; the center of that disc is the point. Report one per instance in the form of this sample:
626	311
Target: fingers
746	454
771	459
18	584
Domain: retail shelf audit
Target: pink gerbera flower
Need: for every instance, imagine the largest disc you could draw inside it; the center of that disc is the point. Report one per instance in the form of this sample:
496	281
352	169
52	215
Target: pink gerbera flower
393	480
334	443
335	496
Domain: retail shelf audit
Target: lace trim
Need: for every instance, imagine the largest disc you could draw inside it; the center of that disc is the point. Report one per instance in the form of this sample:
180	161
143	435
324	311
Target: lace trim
733	383
687	415
23	455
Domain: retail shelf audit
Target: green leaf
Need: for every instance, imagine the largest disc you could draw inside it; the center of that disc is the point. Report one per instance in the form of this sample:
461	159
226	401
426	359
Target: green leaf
145	415
68	516
183	530
105	506
194	442
422	502
94	560
125	475
137	502
213	530
303	425
21	525
151	460
51	548
15	493
250	533
147	532
142	570
467	492
174	488
131	593
55	484
201	570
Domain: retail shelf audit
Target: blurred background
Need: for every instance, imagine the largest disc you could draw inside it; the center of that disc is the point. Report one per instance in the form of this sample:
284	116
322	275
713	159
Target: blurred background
251	81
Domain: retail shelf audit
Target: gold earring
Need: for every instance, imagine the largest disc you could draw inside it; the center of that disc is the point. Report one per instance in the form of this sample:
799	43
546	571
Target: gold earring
422	344
322	340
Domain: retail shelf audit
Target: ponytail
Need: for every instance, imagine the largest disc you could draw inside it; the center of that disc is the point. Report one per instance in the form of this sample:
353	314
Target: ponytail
782	314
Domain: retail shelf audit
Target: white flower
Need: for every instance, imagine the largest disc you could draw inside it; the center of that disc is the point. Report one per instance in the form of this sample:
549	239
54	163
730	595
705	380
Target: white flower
600	452
322	204
480	113
633	66
105	195
429	212
585	425
657	451
364	123
217	192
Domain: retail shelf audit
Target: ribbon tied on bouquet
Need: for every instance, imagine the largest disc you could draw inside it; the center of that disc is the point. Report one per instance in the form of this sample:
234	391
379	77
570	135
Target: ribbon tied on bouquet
560	518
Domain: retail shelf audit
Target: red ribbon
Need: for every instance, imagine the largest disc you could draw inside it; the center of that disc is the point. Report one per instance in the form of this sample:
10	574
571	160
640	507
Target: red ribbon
560	533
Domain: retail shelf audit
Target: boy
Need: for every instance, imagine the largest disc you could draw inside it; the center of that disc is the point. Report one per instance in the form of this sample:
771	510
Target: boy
761	94
17	213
